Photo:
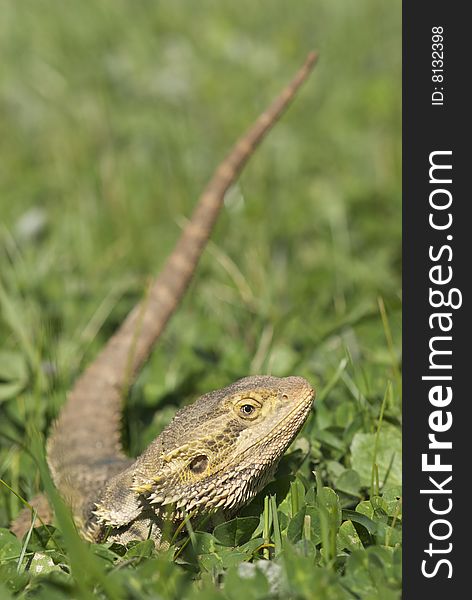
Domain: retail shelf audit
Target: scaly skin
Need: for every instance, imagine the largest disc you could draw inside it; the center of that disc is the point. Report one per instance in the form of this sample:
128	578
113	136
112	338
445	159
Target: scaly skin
217	453
210	456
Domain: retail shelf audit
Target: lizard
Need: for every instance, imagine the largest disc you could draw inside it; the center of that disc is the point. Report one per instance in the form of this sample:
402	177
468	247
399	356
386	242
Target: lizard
217	453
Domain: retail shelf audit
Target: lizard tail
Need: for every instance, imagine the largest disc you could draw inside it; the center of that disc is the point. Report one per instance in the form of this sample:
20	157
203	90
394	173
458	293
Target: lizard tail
87	432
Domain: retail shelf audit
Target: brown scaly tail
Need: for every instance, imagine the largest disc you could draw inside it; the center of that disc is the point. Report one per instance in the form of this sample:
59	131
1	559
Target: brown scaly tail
87	432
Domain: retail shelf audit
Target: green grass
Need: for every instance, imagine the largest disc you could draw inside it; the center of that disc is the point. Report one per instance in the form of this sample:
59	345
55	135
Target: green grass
114	115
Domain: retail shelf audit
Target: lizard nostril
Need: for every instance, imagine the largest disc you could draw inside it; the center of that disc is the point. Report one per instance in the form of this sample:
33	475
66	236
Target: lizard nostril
284	396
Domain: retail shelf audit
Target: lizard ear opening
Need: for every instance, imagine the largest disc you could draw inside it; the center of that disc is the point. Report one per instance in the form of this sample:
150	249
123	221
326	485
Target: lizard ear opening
198	464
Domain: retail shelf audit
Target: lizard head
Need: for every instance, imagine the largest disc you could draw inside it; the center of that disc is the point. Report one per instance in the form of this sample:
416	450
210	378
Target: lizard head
221	450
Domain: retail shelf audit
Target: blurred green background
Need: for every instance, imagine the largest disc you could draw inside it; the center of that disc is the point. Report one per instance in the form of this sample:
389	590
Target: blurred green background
113	117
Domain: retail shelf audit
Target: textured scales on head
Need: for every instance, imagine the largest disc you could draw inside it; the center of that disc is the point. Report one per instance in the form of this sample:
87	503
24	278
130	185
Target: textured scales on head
216	453
211	446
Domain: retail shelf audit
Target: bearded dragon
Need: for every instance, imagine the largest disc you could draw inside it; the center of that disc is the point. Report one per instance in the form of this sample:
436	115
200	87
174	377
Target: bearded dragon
217	453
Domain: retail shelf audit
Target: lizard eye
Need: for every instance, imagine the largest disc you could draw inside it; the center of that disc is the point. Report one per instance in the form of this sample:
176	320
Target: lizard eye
248	411
248	408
